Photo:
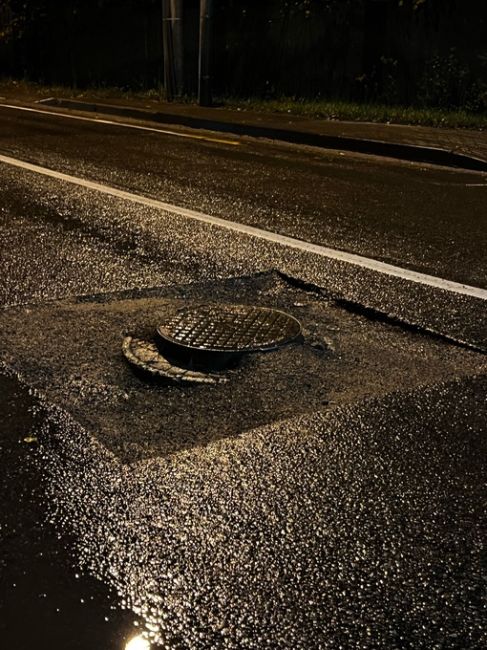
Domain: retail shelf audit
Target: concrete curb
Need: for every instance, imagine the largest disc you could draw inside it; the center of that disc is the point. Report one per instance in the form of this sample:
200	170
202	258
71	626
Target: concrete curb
414	153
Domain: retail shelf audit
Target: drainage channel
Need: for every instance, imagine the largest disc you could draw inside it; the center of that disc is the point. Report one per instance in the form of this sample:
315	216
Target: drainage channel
45	602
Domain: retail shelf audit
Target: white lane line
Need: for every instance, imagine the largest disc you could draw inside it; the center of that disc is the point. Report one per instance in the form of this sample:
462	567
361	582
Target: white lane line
290	242
97	120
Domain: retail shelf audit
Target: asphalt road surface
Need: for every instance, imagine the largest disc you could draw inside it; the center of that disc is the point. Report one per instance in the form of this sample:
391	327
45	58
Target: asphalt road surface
416	216
332	493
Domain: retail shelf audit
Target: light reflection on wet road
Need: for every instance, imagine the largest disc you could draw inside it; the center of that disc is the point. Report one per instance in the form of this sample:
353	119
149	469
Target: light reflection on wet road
45	601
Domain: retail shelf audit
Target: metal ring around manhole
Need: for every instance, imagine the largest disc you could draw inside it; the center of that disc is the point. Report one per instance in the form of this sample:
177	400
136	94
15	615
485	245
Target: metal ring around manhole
145	356
230	329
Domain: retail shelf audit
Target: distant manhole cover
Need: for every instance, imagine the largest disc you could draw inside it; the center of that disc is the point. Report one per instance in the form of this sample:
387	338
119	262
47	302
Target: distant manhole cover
228	329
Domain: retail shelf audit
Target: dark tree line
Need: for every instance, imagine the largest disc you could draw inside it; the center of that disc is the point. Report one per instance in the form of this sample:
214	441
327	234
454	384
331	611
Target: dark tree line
427	52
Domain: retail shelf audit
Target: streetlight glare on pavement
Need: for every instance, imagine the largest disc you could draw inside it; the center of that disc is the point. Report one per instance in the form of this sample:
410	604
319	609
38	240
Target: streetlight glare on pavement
137	643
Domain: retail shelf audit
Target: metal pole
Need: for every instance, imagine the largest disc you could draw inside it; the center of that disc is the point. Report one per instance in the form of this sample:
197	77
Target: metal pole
204	73
167	50
178	45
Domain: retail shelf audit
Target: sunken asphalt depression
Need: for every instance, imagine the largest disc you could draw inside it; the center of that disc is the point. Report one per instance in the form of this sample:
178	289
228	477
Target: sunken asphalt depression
243	393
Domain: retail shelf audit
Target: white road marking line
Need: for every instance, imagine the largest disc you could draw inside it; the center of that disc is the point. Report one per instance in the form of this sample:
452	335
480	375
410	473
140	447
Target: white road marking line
190	136
290	242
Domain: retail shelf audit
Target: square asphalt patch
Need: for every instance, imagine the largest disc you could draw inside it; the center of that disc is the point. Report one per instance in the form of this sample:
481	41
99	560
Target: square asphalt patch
70	351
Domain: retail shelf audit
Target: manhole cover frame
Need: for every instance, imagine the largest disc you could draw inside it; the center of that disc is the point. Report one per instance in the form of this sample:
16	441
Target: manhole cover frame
145	357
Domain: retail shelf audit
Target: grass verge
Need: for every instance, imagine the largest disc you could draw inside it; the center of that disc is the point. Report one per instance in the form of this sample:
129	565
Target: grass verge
339	110
314	109
30	90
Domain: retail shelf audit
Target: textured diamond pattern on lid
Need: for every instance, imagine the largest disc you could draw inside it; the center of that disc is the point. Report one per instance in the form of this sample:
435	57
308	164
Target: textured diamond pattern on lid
229	328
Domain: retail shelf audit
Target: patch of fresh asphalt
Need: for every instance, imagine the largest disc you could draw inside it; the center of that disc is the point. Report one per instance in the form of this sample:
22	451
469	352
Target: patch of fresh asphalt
344	358
417	217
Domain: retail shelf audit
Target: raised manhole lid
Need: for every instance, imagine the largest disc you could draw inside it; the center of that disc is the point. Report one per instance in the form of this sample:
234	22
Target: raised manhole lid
229	328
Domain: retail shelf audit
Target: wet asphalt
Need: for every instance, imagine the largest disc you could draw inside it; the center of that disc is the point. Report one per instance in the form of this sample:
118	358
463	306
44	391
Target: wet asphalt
331	496
421	217
45	600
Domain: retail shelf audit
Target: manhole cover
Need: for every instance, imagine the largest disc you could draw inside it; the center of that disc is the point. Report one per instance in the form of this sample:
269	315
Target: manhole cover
229	328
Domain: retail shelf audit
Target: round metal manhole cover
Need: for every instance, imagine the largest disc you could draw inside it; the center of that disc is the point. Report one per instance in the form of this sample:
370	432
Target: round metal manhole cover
229	328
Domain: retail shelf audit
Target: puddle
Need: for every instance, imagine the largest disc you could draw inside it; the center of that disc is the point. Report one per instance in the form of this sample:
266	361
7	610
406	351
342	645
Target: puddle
45	602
